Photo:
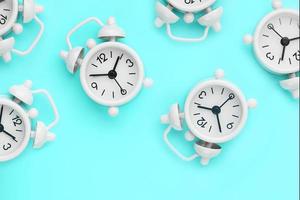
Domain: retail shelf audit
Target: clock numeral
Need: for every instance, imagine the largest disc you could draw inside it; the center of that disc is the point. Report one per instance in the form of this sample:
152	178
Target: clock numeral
202	95
189	1
270	56
102	58
202	122
94	85
17	121
129	62
3	19
297	55
230	126
6	147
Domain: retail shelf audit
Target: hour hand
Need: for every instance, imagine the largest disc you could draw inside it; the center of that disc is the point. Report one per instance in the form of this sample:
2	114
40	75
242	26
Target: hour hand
206	108
296	38
97	75
116	64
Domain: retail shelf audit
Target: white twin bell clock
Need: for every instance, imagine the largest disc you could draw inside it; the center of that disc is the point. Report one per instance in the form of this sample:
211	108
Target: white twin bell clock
276	45
167	15
111	73
215	112
16	121
10	12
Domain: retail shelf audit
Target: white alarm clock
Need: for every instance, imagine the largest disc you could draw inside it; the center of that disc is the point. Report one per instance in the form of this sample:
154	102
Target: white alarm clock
166	14
215	112
16	122
111	74
10	11
276	45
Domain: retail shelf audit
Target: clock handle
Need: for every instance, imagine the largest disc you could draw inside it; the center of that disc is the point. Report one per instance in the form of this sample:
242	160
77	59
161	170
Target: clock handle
36	40
54	108
171	146
78	26
182	39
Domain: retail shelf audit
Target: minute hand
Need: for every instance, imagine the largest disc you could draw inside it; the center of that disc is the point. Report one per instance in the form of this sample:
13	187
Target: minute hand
296	38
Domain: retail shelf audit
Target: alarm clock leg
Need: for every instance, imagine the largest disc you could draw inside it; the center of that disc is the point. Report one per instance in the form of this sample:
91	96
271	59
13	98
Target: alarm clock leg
277	4
248	39
252	103
113	111
148	82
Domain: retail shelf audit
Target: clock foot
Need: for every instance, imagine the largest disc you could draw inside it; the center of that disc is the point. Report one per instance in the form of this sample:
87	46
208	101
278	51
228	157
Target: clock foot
219	74
148	82
252	103
248	39
18	29
113	111
189	18
277	4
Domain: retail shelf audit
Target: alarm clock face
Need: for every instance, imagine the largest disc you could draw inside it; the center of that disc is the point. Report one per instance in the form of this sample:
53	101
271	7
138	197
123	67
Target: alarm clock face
191	5
8	15
14	130
112	74
276	42
216	111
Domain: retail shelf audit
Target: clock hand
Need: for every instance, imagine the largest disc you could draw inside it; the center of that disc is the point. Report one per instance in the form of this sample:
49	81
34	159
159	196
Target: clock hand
96	75
283	52
206	108
123	91
1	113
219	123
271	27
231	96
297	38
116	64
10	135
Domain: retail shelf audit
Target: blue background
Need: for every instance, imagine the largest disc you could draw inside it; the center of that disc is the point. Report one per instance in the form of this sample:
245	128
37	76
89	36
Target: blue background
96	157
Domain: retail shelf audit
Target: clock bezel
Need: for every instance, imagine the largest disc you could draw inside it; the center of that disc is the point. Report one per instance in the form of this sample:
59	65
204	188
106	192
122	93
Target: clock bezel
27	130
271	67
11	22
179	6
140	77
211	137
